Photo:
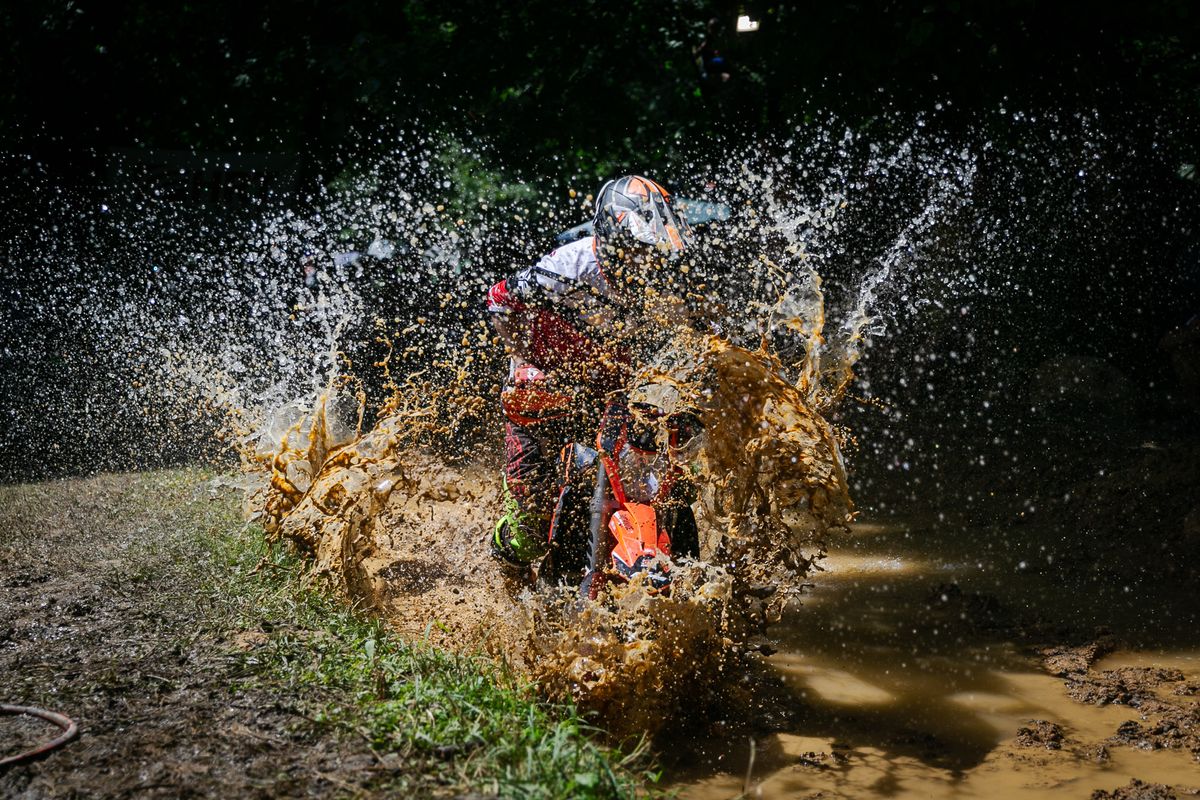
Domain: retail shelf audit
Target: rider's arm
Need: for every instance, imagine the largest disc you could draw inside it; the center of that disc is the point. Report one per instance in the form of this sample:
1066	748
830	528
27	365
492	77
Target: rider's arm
512	301
509	320
562	283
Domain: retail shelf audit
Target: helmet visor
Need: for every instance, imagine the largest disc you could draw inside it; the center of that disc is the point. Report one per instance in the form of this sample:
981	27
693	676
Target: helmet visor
651	220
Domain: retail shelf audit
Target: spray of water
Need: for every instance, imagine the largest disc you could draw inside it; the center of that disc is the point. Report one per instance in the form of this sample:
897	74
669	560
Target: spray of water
342	354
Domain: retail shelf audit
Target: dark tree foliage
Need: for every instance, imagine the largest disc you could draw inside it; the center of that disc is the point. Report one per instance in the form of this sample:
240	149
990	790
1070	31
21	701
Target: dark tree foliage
586	81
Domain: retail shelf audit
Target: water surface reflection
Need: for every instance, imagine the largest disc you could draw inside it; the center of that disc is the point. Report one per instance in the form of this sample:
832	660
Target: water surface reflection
908	672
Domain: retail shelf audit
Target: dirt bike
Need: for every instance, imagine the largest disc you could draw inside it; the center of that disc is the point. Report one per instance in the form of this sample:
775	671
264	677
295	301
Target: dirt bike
624	505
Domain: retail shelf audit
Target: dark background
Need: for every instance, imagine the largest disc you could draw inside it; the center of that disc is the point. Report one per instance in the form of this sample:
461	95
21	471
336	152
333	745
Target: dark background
558	85
226	107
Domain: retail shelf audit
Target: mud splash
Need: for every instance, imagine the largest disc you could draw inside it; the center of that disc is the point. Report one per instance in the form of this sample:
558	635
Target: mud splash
774	478
390	522
328	482
633	657
394	521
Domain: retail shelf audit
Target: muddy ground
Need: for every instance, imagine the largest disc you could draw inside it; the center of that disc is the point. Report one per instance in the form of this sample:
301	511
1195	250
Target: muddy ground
1016	632
107	615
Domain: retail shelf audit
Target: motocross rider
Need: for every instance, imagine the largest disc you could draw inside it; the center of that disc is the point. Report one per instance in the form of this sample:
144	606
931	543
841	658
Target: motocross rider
560	320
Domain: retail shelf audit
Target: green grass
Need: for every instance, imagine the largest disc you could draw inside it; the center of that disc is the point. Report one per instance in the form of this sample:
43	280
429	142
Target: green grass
458	722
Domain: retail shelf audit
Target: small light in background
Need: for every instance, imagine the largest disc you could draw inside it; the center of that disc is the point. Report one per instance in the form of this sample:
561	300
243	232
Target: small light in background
746	25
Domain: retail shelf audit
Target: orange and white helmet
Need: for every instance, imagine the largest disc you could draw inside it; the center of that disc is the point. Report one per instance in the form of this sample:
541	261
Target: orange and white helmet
633	211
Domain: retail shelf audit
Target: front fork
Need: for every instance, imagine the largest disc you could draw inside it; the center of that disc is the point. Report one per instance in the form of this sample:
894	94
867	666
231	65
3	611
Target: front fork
614	427
598	545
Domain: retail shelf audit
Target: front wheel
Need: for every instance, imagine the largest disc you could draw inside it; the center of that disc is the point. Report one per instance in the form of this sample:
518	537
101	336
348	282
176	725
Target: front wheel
568	555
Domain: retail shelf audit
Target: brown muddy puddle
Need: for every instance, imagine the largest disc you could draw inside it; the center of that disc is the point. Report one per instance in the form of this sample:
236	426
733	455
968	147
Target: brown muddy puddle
910	671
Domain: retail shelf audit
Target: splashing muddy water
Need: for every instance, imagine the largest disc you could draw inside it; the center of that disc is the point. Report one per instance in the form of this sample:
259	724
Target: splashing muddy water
407	533
392	522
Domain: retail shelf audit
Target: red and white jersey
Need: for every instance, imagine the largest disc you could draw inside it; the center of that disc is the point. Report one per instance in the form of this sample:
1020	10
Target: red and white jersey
569	279
556	314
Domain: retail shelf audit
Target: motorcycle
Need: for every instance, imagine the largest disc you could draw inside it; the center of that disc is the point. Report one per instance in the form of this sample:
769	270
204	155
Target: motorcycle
624	504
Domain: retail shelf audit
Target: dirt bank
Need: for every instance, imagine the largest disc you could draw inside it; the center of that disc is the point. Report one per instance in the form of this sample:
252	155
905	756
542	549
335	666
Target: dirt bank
200	662
106	615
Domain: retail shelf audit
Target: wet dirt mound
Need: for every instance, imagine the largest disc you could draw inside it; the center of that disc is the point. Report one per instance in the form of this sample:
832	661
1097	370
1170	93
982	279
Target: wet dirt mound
1041	733
1169	718
1128	686
1137	790
1173	729
1064	660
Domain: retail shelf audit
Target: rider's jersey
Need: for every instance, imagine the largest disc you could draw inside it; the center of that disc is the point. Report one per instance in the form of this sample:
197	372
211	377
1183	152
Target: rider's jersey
560	309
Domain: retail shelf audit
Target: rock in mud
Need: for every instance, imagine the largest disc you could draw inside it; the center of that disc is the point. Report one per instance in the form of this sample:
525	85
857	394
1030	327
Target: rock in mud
1041	733
1137	790
814	760
1064	661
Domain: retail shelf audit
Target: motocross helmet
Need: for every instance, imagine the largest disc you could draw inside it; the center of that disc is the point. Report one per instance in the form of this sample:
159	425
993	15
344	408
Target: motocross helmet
636	214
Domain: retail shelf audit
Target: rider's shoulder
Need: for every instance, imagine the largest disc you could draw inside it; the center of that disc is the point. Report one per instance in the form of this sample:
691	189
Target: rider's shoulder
576	259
